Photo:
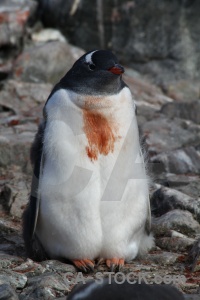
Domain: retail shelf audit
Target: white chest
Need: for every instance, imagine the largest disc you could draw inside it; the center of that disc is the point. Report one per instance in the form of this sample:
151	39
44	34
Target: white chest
92	163
86	136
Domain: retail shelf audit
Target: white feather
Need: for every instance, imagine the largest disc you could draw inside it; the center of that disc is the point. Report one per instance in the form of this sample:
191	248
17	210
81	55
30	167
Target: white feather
79	215
88	57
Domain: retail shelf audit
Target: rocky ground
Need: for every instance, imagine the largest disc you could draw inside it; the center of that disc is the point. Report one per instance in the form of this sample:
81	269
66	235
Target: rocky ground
31	61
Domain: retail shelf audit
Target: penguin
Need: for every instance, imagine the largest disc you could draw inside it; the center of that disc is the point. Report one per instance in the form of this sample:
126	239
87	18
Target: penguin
111	290
89	196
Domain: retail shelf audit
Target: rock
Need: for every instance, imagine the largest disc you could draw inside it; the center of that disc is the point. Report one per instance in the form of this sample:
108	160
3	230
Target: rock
15	146
14	196
194	256
185	183
46	286
148	98
48	34
175	244
182	90
57	266
179	220
16	280
21	97
164	200
78	20
191	297
5	197
184	110
139	32
165	139
164	258
192	188
20	199
24	102
154	45
180	161
7	261
145	92
7	292
12	245
45	62
13	18
30	268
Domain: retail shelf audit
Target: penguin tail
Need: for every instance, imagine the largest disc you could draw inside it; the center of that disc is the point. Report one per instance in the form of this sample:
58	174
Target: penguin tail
146	243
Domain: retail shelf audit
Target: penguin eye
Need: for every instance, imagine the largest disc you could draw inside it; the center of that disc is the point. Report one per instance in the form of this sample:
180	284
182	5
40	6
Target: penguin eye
91	67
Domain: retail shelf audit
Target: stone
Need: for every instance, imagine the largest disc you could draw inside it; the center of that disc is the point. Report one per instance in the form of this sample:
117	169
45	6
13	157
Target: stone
7	261
185	183
164	258
175	244
14	195
192	188
15	147
164	200
14	16
140	33
57	266
165	139
45	62
12	245
16	280
30	268
46	286
7	292
145	92
21	97
180	161
76	25
49	34
191	297
5	197
182	90
194	256
155	46
184	110
179	220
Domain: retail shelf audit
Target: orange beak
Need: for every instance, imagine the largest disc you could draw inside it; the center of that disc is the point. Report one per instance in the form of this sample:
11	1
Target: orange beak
117	69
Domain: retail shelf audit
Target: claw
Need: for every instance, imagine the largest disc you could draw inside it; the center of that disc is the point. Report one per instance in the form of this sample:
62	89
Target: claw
84	264
115	263
100	261
121	263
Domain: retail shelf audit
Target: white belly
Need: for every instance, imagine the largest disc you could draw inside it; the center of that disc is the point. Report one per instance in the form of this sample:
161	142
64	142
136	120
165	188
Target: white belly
94	201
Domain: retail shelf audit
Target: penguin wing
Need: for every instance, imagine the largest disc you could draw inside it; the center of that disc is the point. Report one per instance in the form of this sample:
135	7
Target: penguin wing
37	159
148	220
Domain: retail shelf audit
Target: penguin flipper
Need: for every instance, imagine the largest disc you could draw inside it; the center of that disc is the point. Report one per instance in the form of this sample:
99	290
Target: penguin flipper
148	220
30	215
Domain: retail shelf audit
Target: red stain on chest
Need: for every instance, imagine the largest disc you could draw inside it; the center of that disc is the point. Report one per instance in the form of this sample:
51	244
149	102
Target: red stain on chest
100	134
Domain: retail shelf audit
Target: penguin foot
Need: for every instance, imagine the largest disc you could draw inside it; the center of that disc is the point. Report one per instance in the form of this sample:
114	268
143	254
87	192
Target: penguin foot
84	265
115	263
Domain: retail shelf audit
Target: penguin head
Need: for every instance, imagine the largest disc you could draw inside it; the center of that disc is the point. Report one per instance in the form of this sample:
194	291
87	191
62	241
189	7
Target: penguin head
95	73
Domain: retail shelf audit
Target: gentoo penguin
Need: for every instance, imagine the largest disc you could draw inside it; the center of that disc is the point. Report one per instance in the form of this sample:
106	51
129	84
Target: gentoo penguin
118	291
89	196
